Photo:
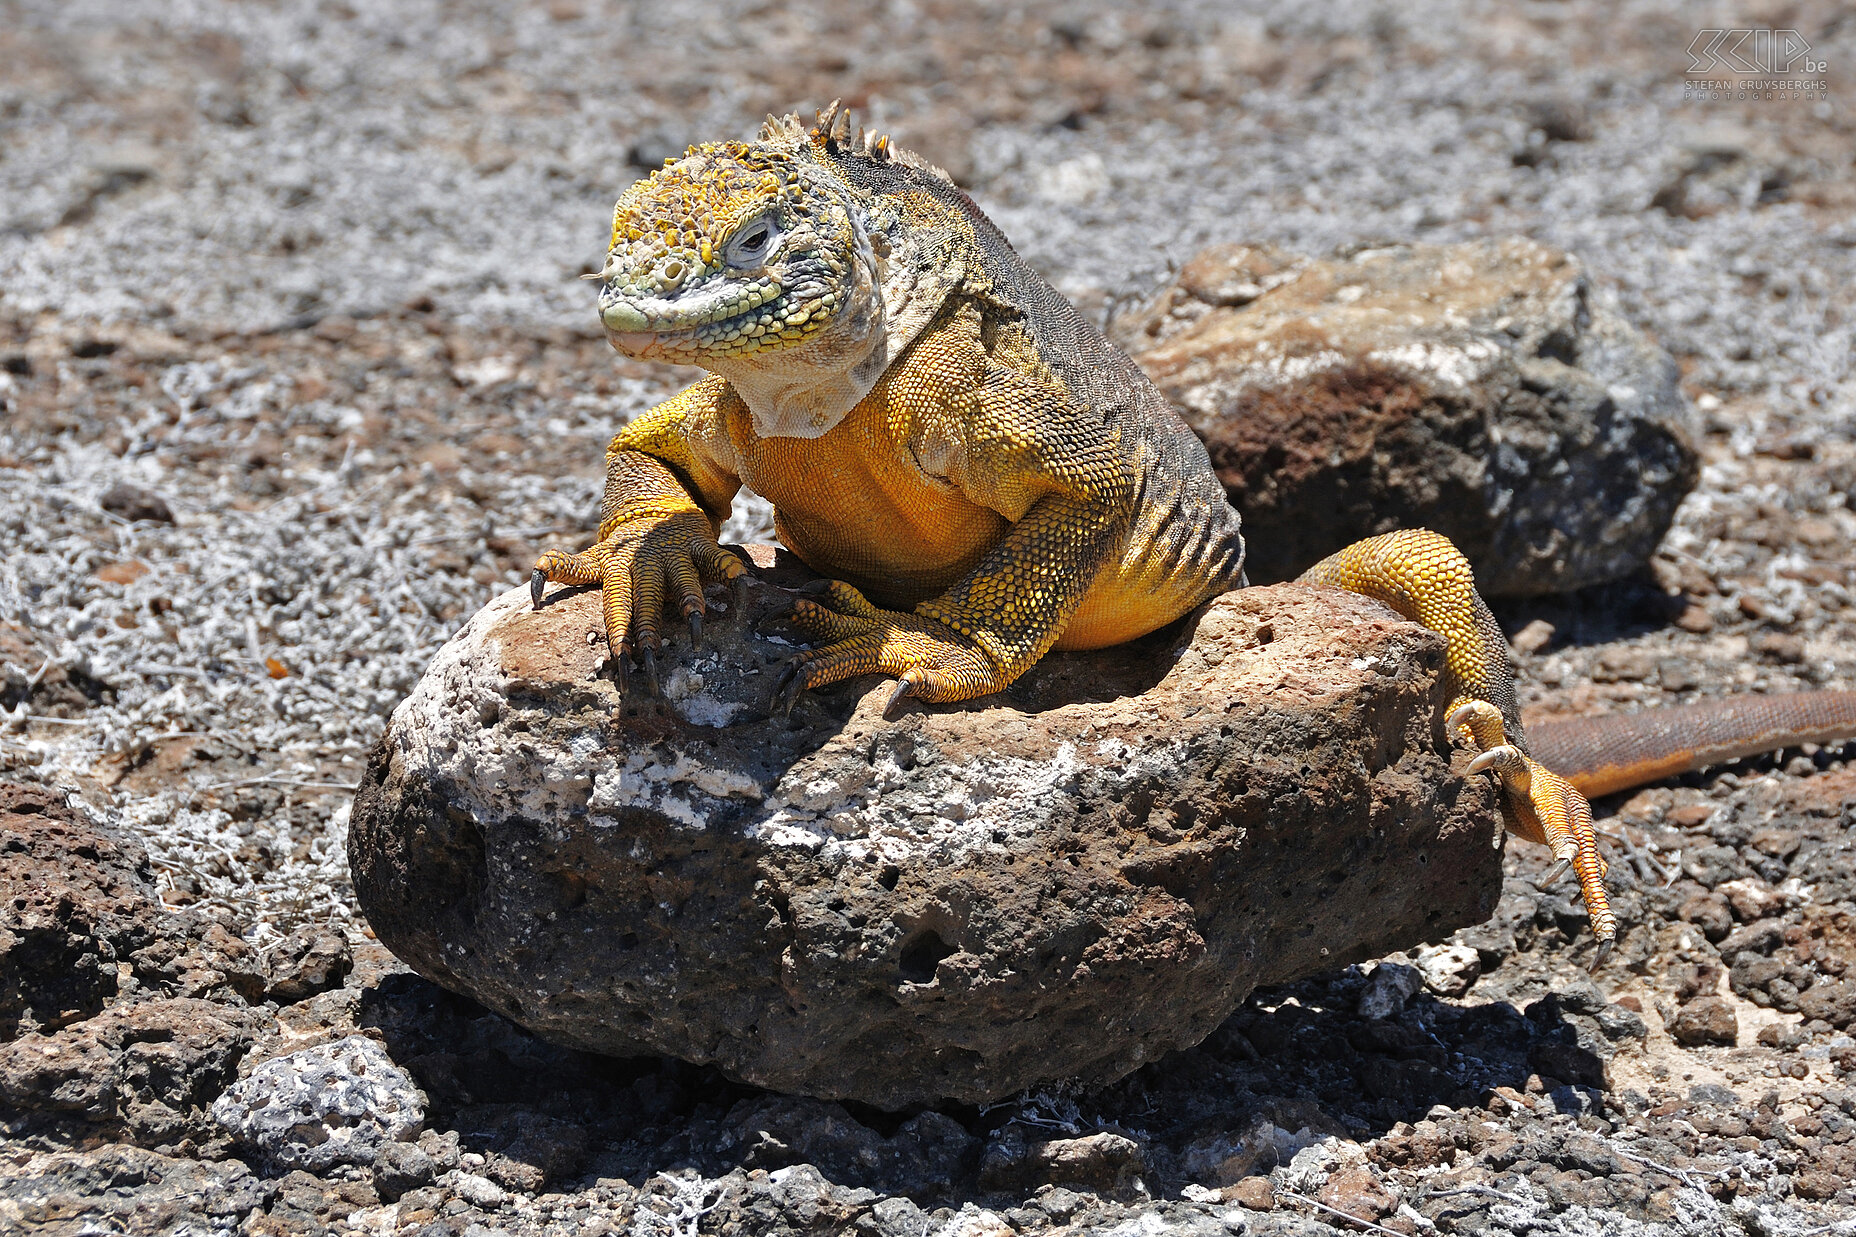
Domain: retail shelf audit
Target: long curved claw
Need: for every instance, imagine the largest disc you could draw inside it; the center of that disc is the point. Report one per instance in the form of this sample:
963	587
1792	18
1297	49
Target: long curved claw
623	657
1463	713
1505	759
1482	721
738	600
696	630
649	656
789	687
896	697
1603	951
1554	873
537	583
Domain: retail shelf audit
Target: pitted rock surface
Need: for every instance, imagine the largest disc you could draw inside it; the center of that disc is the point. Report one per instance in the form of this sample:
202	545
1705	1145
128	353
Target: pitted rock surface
337	1103
145	1071
1484	390
1063	881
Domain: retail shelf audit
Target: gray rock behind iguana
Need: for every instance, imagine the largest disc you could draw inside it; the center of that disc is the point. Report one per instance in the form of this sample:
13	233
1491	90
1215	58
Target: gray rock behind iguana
1485	390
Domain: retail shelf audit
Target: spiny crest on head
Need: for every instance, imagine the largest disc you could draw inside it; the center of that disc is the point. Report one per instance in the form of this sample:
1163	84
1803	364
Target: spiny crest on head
832	135
834	125
788	128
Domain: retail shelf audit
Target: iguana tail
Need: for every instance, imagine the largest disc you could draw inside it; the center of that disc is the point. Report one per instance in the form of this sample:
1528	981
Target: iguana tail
1613	752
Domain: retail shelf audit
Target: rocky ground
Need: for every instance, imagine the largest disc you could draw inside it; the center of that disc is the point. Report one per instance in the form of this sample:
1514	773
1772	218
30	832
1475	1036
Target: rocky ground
296	376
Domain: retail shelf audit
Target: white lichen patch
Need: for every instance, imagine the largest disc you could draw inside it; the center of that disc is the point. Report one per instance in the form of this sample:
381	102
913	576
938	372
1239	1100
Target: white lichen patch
686	692
935	813
1457	365
672	784
1275	368
455	727
449	729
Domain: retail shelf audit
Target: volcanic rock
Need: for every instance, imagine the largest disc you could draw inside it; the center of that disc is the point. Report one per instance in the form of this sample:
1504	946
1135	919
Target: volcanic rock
1108	1162
132	503
333	1104
1484	390
124	1189
921	1157
1706	1020
75	900
146	1072
308	961
1063	881
1448	970
1390	987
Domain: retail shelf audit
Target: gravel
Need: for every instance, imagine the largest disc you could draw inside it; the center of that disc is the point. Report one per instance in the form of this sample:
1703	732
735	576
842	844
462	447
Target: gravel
296	376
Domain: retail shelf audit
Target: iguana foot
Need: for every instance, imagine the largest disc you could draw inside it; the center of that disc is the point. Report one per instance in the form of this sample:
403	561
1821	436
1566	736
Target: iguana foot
640	566
1423	577
931	661
1546	808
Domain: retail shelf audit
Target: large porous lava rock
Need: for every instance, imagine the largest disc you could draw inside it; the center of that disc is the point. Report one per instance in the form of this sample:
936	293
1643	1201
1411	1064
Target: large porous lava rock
1064	881
75	902
1483	390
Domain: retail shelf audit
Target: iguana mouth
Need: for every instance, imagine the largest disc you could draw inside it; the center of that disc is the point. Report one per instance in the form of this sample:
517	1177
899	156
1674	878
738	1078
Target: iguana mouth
717	307
633	343
724	318
640	336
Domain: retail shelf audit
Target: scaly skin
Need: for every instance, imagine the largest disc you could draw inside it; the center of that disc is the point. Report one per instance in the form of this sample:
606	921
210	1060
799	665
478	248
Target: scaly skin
1603	755
981	476
1422	576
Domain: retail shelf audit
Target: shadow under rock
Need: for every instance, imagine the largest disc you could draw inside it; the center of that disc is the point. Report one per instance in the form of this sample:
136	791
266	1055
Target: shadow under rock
492	1081
511	1096
1298	1063
1293	1065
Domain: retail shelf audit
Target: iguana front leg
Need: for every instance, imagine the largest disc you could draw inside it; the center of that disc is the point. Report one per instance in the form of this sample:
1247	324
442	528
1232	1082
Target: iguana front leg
657	534
1423	577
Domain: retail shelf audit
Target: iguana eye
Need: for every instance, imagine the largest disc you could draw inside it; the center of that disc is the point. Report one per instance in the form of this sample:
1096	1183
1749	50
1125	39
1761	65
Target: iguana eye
751	245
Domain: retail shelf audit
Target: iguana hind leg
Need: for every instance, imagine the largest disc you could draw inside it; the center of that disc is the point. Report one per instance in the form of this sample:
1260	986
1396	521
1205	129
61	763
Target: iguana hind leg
1423	577
930	660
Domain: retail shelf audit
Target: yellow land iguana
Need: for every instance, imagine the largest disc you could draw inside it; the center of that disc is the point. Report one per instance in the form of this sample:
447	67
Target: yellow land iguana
980	473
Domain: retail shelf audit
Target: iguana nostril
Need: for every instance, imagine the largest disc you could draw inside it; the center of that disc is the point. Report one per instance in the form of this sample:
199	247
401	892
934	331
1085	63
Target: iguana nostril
673	271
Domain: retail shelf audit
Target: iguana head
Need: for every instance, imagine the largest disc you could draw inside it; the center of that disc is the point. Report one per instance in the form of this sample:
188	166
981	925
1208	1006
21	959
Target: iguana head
733	249
760	262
